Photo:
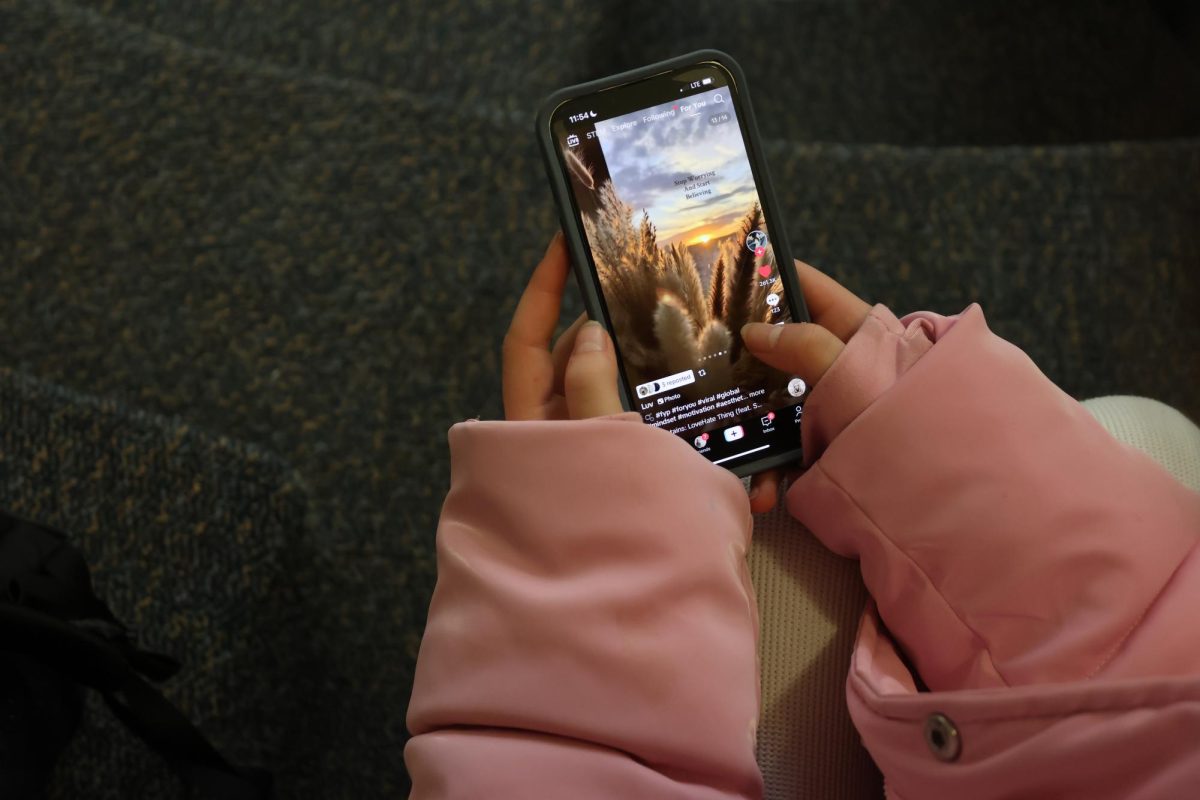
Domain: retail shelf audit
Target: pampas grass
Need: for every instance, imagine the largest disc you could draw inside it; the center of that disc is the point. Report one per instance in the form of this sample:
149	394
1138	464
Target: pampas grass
676	332
664	318
717	289
580	170
742	279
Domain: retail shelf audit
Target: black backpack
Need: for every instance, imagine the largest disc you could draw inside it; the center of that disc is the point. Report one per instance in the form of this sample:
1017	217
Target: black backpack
56	640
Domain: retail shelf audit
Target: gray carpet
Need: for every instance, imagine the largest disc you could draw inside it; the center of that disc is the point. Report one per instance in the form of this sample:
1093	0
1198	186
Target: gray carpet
196	543
305	225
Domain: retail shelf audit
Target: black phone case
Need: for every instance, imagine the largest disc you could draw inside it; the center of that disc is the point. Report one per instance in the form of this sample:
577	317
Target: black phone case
581	263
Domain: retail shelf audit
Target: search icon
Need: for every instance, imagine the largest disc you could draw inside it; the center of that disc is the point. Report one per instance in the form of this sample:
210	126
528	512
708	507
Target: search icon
717	98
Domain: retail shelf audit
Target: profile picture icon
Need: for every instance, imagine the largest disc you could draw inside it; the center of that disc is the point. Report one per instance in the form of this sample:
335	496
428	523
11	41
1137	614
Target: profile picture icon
756	241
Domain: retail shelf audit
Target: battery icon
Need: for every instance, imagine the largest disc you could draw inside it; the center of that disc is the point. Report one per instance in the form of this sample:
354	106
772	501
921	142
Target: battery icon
706	81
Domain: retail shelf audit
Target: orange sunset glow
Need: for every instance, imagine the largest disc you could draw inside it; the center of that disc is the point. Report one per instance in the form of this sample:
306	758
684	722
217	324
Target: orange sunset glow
706	233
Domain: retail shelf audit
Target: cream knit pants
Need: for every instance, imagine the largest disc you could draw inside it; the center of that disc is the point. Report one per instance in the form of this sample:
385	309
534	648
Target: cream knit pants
809	603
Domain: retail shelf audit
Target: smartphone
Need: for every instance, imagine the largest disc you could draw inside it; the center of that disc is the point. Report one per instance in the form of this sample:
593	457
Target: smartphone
676	242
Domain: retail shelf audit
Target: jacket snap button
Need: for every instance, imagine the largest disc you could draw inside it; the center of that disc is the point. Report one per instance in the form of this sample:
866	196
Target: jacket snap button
942	737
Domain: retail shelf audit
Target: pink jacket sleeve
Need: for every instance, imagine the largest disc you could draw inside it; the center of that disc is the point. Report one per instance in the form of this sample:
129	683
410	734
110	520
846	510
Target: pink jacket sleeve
592	632
1040	577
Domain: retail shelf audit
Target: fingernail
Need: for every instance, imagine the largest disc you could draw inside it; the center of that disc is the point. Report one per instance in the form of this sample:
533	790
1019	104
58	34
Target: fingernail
590	338
760	335
553	241
754	493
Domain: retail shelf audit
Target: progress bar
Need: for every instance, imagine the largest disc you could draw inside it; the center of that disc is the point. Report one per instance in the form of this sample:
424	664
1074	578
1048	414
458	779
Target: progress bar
739	455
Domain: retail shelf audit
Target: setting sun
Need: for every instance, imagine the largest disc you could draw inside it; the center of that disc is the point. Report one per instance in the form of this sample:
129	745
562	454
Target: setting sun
706	233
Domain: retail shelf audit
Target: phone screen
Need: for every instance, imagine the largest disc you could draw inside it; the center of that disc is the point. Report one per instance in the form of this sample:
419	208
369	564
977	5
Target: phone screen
680	245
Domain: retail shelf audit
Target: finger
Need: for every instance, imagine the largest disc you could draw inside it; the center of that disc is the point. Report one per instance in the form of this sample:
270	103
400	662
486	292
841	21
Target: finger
804	348
764	491
562	351
833	306
528	371
591	376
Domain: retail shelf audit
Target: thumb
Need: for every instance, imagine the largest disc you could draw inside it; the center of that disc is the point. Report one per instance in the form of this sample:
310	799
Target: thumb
590	380
797	348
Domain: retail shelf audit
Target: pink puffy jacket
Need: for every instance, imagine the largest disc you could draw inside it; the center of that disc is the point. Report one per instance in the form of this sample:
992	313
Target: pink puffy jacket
1035	585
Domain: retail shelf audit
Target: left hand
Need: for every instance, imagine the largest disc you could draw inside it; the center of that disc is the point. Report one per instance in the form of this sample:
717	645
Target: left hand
575	380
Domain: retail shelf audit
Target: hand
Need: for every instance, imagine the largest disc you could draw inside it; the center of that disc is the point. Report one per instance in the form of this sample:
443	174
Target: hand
578	379
806	349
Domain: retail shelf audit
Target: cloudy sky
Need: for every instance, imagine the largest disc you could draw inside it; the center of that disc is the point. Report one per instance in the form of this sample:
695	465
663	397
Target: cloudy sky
650	160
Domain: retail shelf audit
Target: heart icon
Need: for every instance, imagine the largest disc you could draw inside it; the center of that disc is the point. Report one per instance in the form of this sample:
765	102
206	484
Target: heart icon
764	270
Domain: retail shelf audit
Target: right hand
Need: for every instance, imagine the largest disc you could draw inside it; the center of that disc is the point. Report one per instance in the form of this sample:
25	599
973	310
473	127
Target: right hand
806	349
